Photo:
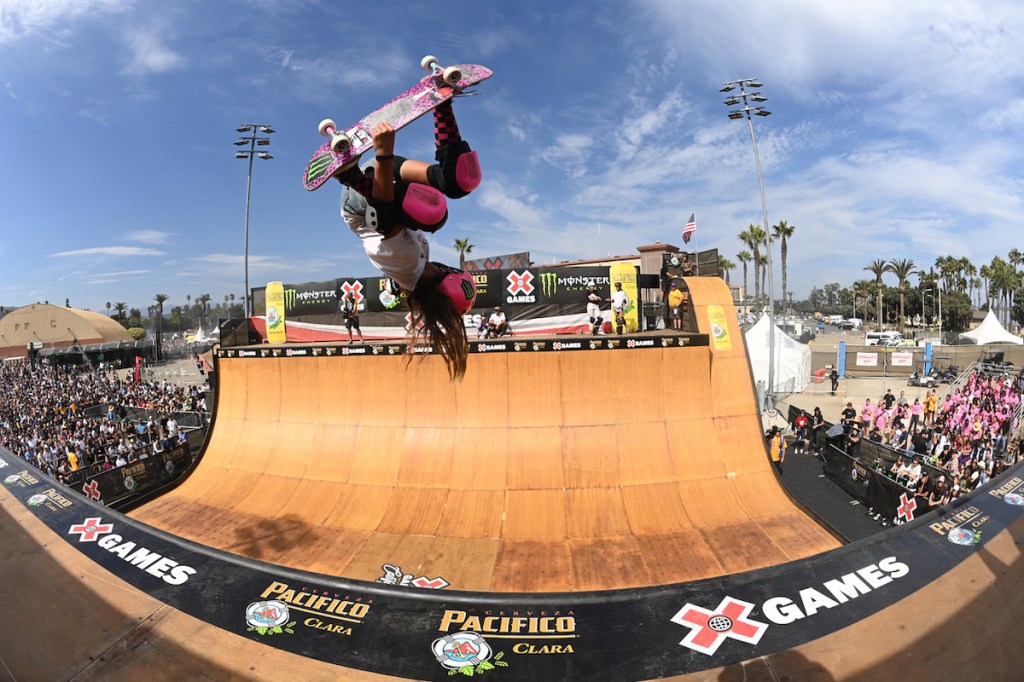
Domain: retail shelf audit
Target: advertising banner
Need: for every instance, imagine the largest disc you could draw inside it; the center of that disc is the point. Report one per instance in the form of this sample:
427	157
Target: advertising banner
310	298
276	313
627	275
902	359
719	328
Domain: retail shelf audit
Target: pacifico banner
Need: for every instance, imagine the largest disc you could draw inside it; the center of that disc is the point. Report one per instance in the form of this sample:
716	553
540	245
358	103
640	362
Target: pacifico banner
275	313
719	324
626	274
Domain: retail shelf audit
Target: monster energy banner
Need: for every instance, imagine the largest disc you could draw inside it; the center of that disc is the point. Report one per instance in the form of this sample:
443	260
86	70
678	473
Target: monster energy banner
540	286
524	292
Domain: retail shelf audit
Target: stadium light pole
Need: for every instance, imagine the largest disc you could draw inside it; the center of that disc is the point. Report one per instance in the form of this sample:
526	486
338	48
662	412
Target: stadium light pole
253	140
747	111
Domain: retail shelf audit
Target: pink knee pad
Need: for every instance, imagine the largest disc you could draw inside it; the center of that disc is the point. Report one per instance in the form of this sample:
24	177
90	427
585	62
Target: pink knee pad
424	204
467	172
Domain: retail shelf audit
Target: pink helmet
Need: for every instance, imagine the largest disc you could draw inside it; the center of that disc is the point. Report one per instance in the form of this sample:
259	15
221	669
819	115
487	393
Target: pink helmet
460	288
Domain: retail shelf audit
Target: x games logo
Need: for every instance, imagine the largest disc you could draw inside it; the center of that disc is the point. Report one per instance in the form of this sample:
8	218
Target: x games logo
520	284
708	629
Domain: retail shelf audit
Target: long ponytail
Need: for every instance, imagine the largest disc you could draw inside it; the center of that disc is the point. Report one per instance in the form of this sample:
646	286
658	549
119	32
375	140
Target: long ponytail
436	322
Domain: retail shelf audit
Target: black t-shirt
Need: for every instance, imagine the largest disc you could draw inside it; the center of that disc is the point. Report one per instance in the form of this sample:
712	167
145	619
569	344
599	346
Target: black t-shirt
888	399
849	414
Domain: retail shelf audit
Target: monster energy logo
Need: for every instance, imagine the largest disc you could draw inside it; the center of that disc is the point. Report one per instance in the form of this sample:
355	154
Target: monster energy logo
290	296
549	283
317	166
467	290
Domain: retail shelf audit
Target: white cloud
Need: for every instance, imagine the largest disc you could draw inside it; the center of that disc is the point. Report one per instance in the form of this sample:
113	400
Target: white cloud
147	236
149	54
117	251
50	18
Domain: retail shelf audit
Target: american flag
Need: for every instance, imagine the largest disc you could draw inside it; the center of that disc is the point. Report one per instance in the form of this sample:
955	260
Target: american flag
690	229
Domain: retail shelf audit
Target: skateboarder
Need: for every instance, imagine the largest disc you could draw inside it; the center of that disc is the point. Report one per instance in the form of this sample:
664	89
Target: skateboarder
619	301
594	301
389	206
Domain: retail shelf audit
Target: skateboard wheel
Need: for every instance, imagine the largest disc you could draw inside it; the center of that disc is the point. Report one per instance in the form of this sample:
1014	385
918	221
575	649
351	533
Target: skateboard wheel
327	127
340	144
451	75
428	62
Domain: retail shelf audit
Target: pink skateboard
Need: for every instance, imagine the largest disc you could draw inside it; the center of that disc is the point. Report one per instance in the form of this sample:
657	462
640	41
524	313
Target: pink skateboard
346	146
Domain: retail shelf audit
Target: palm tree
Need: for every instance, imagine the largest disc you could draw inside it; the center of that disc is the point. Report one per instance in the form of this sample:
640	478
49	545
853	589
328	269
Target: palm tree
754	236
903	269
108	308
1016	259
764	274
744	257
986	279
120	307
783	231
724	266
159	298
862	289
204	303
1003	281
878	267
463	247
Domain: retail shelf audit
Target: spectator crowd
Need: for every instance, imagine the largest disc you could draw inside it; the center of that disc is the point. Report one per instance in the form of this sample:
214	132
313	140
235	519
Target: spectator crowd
944	447
71	423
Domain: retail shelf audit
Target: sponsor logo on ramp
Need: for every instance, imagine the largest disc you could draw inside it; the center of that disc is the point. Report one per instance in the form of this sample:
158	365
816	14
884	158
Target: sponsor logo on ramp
708	629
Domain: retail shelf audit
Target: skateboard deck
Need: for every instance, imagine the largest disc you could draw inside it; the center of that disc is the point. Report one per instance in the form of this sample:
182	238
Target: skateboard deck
430	92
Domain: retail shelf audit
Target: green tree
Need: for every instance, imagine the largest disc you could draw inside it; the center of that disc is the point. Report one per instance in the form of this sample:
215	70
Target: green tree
783	231
956	311
463	246
754	236
862	290
120	307
878	267
204	303
160	299
744	257
1004	280
134	318
903	269
724	266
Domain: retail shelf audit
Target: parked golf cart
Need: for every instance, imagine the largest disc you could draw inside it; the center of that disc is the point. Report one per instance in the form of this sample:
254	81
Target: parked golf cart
923	379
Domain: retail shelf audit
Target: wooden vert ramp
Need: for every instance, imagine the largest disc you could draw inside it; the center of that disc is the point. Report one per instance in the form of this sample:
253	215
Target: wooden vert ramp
556	471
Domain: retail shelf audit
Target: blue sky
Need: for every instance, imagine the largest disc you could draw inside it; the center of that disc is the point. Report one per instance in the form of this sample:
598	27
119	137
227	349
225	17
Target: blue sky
894	134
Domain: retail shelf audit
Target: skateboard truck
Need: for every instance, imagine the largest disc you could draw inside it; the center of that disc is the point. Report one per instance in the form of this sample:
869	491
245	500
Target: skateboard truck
340	142
449	75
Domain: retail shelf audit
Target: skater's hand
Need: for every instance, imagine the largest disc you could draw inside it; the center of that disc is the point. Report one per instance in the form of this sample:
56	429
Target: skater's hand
383	139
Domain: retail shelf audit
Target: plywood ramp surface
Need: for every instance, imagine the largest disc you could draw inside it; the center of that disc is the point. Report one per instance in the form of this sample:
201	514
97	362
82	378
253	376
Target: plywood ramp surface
69	618
554	471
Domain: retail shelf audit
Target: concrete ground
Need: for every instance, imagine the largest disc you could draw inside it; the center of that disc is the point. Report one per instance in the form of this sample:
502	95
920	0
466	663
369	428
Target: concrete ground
853	391
179	372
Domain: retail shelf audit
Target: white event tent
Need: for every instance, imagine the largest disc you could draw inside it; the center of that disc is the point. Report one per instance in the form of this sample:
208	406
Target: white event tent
990	331
792	359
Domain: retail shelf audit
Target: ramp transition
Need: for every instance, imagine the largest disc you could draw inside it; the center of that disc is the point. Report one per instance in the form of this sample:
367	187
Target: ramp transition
569	464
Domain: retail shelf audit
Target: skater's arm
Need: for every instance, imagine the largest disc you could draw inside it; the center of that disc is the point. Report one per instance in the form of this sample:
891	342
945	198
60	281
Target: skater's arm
384	147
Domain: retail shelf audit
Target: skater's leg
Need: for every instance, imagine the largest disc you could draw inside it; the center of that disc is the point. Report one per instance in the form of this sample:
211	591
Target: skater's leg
457	172
357	180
